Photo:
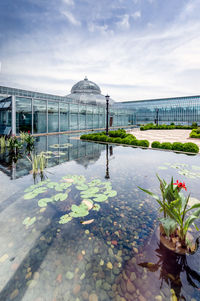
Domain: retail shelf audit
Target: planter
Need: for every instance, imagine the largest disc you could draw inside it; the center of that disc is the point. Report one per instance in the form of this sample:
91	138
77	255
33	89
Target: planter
173	243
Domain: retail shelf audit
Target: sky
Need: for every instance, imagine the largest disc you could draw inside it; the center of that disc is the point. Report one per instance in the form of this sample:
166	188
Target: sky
133	49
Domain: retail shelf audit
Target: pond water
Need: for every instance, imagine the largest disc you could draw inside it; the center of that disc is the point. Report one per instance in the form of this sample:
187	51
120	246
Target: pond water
86	232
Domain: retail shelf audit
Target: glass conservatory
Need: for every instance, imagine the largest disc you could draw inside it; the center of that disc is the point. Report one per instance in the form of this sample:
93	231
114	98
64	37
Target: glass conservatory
39	113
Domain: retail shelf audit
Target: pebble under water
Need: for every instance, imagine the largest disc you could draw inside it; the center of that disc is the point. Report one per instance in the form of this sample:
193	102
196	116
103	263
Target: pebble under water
86	232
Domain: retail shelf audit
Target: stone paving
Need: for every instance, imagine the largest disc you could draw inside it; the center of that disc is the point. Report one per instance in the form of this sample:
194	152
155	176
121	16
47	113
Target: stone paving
164	135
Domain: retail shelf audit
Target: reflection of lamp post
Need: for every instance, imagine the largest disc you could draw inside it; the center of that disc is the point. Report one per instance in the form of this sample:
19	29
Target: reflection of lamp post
107	103
107	176
157	111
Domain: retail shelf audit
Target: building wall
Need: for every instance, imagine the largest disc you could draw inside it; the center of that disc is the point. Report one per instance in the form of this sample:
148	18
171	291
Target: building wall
44	113
180	110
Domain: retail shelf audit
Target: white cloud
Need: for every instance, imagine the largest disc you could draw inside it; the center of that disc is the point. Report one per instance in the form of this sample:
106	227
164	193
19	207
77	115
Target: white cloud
70	17
124	22
151	63
69	2
136	15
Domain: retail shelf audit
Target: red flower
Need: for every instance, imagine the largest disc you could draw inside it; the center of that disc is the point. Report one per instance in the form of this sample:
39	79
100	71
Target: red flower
180	185
29	132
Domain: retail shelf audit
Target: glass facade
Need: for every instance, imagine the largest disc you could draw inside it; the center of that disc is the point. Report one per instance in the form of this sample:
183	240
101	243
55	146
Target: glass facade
180	110
43	113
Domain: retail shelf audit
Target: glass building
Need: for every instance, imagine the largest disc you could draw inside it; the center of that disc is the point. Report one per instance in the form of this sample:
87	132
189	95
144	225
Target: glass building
85	109
180	110
40	113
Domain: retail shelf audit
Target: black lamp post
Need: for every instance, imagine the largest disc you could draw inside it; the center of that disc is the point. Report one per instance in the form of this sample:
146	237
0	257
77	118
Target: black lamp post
157	111
107	103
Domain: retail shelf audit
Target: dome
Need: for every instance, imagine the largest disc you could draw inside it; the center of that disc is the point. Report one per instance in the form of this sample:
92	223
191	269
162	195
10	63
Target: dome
86	91
86	86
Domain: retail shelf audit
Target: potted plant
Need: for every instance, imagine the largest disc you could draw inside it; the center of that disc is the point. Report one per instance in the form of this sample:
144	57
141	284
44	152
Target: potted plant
177	217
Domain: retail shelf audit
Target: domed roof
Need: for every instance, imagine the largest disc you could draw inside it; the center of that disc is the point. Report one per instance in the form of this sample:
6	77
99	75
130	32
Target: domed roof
86	86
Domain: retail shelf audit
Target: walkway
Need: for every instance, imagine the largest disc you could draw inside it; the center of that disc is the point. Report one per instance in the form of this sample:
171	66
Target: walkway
165	135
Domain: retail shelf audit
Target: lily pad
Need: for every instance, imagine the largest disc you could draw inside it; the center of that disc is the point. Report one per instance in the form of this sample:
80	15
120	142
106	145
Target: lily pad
29	221
101	198
43	202
65	219
96	207
111	193
60	197
30	195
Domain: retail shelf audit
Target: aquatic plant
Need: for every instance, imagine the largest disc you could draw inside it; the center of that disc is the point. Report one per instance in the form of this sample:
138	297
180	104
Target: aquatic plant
177	216
38	162
91	193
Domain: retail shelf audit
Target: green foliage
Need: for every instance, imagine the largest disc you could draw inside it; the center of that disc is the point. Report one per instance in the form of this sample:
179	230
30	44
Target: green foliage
38	162
166	145
177	216
14	144
190	147
155	144
143	143
177	146
194	125
2	142
172	126
118	136
195	133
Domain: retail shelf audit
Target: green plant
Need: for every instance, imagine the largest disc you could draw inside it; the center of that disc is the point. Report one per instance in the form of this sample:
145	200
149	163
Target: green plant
194	125
155	144
29	139
38	163
174	204
13	144
177	146
143	143
190	147
3	142
166	145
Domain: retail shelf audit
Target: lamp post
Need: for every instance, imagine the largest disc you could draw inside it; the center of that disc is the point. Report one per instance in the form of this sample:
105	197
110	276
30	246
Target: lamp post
157	111
107	103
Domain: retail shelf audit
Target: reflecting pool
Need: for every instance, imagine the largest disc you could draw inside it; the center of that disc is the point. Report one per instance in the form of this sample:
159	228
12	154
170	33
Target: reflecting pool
85	231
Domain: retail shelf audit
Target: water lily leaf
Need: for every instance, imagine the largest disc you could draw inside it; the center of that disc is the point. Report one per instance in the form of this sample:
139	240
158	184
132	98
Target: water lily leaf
52	184
162	167
79	214
101	198
65	219
87	222
29	221
88	203
30	195
96	207
82	187
60	197
112	193
43	202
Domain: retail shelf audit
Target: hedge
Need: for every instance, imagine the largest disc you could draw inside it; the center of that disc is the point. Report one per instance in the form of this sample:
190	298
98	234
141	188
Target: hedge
120	136
188	147
151	126
195	133
131	140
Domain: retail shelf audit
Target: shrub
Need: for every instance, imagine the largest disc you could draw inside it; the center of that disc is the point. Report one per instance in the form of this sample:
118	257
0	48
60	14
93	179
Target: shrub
134	142
118	140
166	145
177	146
194	125
126	140
155	144
144	143
190	147
195	133
198	130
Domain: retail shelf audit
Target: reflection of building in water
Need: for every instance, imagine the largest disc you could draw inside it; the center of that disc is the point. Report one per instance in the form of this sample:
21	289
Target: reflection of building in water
57	149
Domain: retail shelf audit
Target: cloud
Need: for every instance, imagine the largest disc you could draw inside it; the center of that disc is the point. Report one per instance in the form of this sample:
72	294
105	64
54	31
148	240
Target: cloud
124	22
69	2
128	60
71	18
136	15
